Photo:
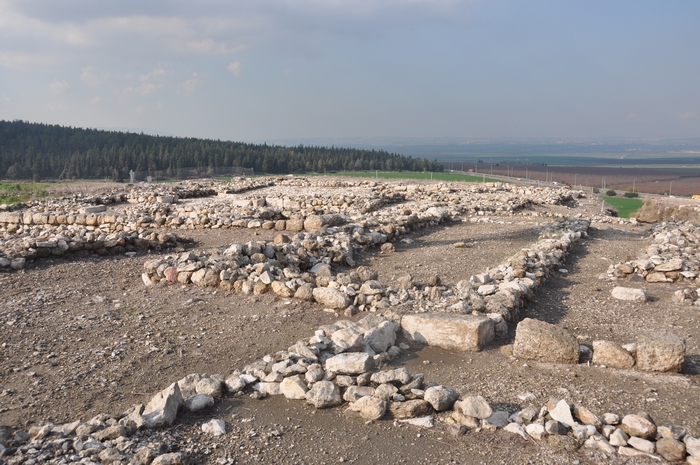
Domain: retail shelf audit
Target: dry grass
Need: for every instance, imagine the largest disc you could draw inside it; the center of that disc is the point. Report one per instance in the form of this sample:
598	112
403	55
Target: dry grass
653	212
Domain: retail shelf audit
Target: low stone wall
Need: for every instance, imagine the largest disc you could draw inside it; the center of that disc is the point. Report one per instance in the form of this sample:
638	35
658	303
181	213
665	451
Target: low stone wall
343	365
82	242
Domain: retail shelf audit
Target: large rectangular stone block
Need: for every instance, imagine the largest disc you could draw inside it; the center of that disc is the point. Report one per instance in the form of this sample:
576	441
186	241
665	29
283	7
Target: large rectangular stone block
449	330
93	209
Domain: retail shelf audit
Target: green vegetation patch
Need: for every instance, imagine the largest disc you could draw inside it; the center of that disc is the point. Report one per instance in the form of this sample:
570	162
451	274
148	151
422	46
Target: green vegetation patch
21	192
415	175
625	207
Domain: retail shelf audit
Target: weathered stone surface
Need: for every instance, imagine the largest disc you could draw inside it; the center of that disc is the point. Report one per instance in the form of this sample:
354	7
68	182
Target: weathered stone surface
562	413
110	455
331	298
162	408
314	372
638	425
619	438
675	432
385	391
369	407
656	277
199	402
324	394
351	363
371	287
476	407
692	445
660	351
598	442
382	337
674	264
440	397
210	386
670	449
111	432
399	375
173	458
536	431
640	444
556	427
516	429
612	355
409	409
538	340
293	387
281	289
270	389
498	419
353	393
236	382
305	292
449	331
629	293
587	417
214	427
347	340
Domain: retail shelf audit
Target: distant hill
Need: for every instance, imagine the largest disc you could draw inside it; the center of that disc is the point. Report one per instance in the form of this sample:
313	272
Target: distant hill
31	150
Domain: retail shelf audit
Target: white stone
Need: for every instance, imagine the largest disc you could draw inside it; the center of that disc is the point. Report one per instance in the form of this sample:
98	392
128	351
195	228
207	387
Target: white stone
562	413
293	388
214	427
475	407
629	293
516	429
351	363
536	431
199	402
449	330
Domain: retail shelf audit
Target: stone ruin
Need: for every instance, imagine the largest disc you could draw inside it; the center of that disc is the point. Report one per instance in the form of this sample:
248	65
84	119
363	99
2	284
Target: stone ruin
343	364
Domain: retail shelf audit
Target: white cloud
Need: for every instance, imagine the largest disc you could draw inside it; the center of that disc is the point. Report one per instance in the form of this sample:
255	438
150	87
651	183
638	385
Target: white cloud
91	78
235	68
689	115
151	82
95	100
58	87
632	116
190	85
23	61
212	47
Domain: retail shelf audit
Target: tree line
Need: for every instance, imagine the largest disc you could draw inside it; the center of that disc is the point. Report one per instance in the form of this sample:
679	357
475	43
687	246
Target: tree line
36	150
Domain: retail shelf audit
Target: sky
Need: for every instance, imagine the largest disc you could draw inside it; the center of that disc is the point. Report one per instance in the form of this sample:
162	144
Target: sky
285	70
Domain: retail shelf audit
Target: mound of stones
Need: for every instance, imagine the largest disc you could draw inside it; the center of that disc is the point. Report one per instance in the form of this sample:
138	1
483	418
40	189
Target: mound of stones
674	255
342	365
687	296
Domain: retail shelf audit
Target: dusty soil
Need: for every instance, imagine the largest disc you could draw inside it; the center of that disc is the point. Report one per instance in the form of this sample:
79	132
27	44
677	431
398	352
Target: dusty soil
80	337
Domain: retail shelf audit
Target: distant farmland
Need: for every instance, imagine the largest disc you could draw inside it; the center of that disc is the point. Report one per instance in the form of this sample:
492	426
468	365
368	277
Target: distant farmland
679	180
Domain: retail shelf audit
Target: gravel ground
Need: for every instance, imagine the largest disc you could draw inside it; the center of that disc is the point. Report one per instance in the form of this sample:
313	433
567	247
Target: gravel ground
83	336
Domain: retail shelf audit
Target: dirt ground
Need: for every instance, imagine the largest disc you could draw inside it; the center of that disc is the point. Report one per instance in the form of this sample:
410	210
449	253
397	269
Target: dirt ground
80	337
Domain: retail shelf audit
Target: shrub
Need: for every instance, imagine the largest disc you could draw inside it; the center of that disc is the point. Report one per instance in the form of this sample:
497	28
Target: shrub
610	193
631	195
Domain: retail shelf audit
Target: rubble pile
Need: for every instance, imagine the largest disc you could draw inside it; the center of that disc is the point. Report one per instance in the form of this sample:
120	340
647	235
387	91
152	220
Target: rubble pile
673	256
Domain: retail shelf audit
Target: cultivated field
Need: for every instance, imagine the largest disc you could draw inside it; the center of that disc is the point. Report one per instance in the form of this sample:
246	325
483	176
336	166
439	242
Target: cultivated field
292	300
